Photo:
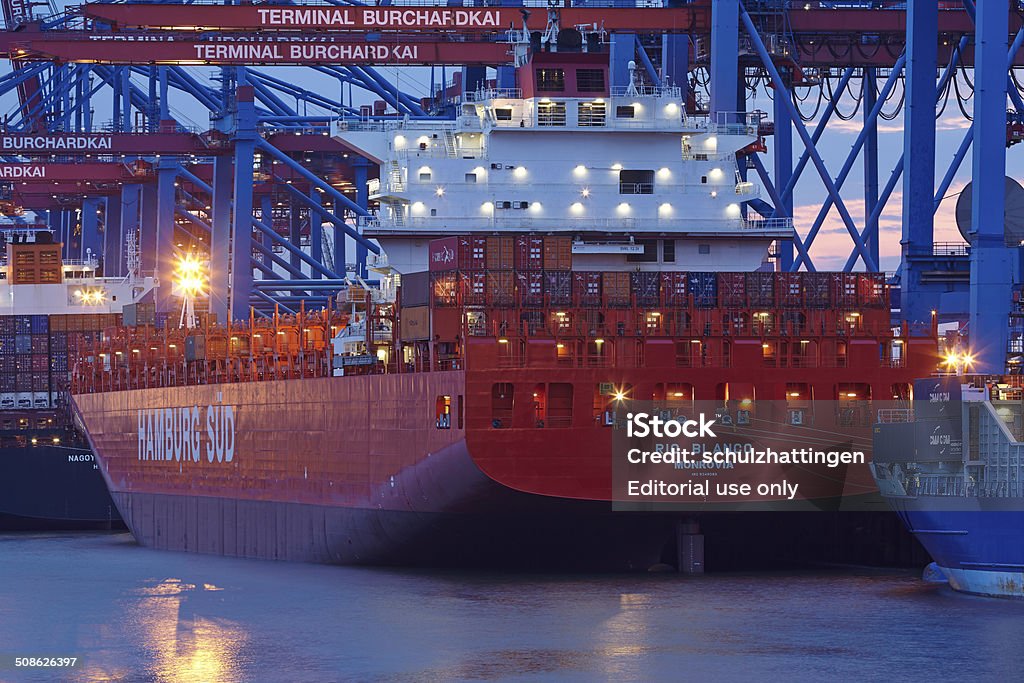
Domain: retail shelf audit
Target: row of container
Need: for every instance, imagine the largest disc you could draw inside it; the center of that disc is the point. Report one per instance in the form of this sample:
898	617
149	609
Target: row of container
648	289
523	253
45	324
38	381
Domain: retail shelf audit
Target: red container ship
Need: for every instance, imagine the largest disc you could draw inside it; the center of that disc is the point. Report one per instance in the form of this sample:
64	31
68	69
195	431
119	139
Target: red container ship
487	443
592	250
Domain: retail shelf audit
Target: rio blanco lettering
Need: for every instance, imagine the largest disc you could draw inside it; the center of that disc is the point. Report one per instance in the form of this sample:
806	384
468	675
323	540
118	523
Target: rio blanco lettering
187	433
59	142
21	171
306	52
383	18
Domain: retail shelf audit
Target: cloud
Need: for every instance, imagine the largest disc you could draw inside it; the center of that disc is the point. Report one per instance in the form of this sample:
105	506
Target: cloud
833	243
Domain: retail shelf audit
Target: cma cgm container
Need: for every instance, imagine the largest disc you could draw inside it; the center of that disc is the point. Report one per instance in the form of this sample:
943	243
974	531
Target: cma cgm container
457	253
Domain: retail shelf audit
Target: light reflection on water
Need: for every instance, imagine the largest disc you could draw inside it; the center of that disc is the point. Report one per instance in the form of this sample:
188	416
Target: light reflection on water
134	614
181	645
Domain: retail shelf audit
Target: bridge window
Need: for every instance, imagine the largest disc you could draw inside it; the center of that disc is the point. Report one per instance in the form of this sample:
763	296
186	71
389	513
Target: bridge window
550	80
503	113
551	114
591	114
669	251
636	182
590	80
625	112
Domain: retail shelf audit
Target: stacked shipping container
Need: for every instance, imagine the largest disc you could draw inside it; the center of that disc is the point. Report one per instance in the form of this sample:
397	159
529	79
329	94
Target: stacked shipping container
531	271
37	353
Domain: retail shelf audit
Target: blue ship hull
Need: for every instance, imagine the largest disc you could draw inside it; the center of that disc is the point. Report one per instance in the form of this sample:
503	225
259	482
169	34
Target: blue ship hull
980	551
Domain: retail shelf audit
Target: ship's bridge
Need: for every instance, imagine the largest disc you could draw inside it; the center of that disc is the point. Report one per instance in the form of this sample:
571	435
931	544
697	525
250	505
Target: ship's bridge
630	162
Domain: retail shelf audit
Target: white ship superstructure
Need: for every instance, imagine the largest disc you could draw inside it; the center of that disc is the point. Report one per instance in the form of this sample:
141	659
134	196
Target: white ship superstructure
630	165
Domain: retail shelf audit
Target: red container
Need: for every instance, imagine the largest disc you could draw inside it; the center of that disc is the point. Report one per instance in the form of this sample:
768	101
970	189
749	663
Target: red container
615	287
443	254
844	290
761	290
40	343
732	290
871	292
40	362
529	253
558	287
674	290
500	289
789	290
472	253
500	253
816	290
530	288
557	253
444	289
586	288
8	382
474	288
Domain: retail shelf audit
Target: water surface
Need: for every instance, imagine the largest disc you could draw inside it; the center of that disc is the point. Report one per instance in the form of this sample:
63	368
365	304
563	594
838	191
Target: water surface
135	614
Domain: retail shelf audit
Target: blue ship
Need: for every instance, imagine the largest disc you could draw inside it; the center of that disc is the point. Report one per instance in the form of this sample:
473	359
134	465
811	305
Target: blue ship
952	467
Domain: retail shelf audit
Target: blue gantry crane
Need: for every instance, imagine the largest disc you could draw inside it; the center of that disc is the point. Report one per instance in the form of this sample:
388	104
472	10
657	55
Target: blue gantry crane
276	202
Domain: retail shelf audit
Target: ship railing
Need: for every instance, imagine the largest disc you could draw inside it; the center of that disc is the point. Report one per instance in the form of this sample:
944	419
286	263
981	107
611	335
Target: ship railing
768	223
951	249
485	94
521	223
672	91
895	415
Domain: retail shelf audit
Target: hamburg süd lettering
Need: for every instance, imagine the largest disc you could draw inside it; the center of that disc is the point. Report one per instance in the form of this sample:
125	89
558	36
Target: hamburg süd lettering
187	434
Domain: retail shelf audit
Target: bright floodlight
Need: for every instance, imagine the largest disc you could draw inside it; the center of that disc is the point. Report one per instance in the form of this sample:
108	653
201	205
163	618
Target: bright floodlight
190	276
190	282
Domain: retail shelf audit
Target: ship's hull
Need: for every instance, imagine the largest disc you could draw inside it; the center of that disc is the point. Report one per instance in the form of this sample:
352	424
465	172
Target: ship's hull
355	470
347	471
53	487
978	543
476	522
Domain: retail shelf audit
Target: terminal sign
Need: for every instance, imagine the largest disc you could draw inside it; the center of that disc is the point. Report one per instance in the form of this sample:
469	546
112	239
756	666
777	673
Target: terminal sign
379	18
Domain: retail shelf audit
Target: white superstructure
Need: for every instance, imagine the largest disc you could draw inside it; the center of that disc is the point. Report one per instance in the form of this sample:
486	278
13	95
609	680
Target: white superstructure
630	165
81	292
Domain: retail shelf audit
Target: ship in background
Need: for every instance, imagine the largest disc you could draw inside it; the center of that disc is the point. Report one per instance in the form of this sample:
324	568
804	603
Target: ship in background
953	469
552	253
50	309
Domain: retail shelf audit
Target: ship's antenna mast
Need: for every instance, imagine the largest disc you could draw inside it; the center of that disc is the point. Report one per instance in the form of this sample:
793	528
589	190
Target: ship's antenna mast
631	91
134	259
